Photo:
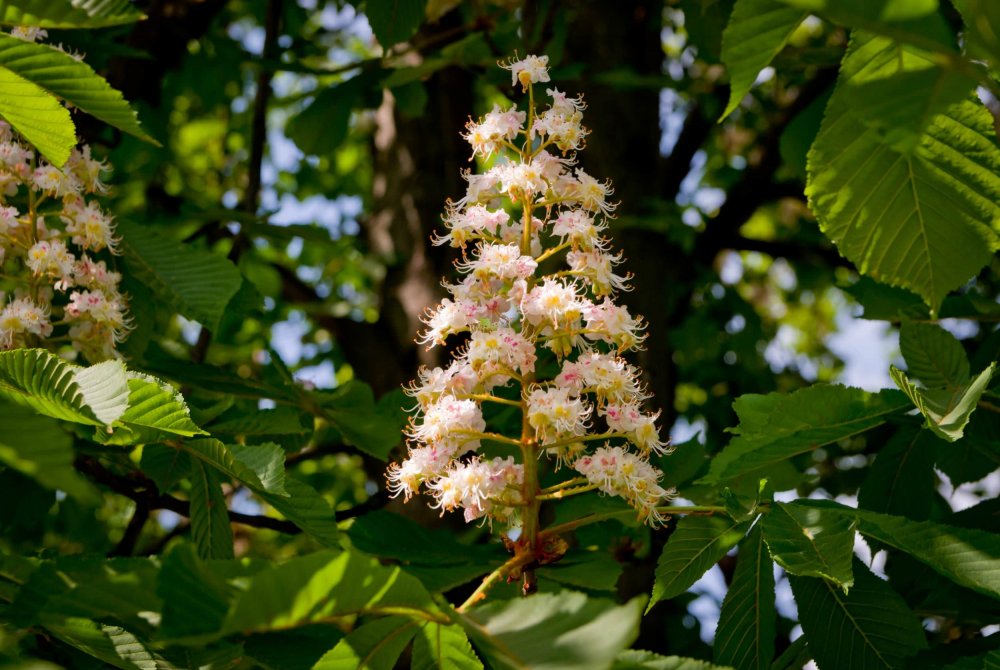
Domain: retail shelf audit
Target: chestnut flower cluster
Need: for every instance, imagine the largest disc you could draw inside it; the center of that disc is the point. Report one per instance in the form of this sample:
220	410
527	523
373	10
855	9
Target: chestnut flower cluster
516	304
50	233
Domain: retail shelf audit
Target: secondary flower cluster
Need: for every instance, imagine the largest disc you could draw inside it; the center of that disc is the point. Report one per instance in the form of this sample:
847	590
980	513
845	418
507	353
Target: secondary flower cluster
516	306
49	234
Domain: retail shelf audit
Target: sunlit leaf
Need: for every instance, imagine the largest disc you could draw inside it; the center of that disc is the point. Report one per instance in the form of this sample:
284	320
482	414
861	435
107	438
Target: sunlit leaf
756	32
697	543
555	631
71	80
68	13
811	542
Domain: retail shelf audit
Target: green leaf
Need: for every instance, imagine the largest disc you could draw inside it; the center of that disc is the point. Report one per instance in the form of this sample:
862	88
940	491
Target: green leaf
155	411
887	303
901	476
96	395
389	535
975	455
373	646
70	79
947	411
322	127
210	526
683	464
744	637
195	282
871	627
912	21
591	570
121	590
322	586
555	631
756	32
898	88
278	421
633	659
776	427
68	13
196	594
307	509
111	644
921	220
439	647
353	411
964	555
697	543
38	115
164	465
982	28
795	657
297	649
933	355
267	461
36	446
214	453
811	542
394	21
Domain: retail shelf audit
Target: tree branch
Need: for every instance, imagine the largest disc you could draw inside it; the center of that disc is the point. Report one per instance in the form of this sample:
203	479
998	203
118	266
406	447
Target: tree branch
258	134
756	187
138	488
126	545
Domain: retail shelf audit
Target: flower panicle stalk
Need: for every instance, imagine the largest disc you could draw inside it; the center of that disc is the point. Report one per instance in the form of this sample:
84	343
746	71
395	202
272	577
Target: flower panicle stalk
533	206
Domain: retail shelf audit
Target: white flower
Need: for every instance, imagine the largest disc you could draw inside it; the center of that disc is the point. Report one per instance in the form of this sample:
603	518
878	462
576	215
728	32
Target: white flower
501	349
457	379
449	317
9	221
97	306
497	127
609	377
618	472
21	317
565	130
578	228
87	169
502	261
597	266
90	227
557	414
611	323
562	104
52	181
521	180
90	274
15	159
592	194
640	428
450	424
477	486
482	188
29	33
555	302
470	224
531	70
422	464
50	258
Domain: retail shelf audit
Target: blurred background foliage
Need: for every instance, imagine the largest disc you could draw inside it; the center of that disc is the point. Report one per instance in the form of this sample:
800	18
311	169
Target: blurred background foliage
314	143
